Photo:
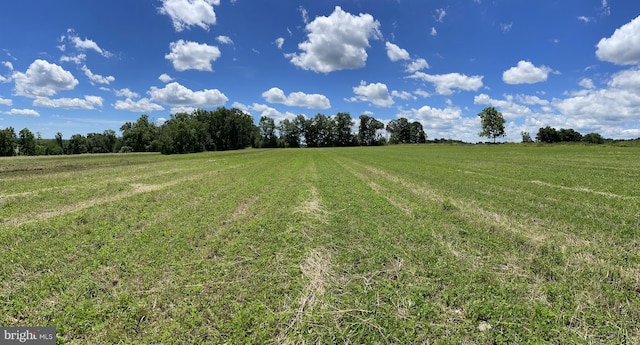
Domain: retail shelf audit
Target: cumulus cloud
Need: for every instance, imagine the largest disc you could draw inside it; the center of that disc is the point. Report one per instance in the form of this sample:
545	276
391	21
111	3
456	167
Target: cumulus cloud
175	95
23	112
623	47
445	83
336	42
396	53
297	99
374	93
5	101
532	100
77	59
126	93
187	13
224	40
626	80
526	73
273	113
43	79
279	42
140	106
191	55
81	44
96	78
508	107
165	78
586	83
87	103
417	65
403	95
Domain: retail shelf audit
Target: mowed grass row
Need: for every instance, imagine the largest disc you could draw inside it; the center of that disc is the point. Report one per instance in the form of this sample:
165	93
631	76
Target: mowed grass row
398	244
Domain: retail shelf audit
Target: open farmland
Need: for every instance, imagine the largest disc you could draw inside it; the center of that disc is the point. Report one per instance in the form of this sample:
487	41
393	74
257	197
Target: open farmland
397	244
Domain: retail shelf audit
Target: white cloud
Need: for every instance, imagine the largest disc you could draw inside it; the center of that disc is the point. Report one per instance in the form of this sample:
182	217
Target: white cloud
77	59
374	93
240	106
305	14
444	83
143	105
626	80
183	109
422	93
416	65
279	42
23	112
43	79
175	94
191	55
224	40
440	13
96	78
165	78
585	19
623	47
403	95
506	27
273	113
396	53
88	103
508	108
336	42
297	99
532	100
8	65
5	101
434	32
126	93
525	73
83	44
606	9
187	13
586	83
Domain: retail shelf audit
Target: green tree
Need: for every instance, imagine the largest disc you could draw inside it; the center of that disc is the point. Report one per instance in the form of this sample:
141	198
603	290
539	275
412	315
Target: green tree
140	134
400	130
368	131
290	133
26	142
547	135
492	123
526	137
593	138
8	142
417	134
569	135
59	141
78	144
342	133
268	137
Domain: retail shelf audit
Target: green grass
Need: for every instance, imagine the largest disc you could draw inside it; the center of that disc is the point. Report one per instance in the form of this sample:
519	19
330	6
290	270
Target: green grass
434	244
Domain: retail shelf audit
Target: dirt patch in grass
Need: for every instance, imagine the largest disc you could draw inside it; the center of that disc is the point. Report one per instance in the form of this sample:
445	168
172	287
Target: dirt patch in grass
318	275
136	188
313	206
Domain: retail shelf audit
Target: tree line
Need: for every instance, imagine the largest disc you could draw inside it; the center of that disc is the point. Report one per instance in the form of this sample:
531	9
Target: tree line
218	130
231	129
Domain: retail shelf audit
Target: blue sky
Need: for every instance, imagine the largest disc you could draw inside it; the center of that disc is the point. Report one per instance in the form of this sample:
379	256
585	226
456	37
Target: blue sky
86	66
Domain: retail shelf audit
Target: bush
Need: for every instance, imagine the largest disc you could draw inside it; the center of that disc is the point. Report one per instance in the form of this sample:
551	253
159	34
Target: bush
125	149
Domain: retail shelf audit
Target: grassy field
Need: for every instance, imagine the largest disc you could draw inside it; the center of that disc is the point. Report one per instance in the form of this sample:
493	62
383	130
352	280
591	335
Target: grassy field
431	244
